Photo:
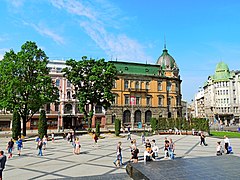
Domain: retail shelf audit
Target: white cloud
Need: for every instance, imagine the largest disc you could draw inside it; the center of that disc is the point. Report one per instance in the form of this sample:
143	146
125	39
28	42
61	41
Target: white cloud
96	19
46	32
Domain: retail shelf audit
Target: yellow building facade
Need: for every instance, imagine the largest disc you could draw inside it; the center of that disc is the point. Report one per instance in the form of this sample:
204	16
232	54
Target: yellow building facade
145	91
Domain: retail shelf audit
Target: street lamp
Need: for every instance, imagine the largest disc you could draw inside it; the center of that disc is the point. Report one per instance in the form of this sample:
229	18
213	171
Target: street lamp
58	125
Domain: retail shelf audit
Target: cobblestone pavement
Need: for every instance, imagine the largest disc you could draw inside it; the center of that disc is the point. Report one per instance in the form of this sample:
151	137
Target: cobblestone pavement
95	161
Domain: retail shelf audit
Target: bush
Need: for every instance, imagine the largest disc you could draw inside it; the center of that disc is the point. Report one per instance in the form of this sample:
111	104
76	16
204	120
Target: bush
98	129
117	126
162	123
154	124
42	124
16	125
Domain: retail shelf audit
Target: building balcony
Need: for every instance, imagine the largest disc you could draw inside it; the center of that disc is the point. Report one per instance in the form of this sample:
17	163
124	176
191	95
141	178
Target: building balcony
137	90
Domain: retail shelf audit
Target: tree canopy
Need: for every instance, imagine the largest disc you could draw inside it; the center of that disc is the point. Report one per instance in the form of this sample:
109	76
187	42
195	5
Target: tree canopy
93	81
25	83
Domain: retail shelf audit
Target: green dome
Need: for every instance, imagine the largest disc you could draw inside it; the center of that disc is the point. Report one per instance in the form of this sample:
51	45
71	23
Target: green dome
166	61
222	72
221	67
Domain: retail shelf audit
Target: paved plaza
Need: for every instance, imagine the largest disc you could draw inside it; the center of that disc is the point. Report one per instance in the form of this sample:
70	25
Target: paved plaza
96	162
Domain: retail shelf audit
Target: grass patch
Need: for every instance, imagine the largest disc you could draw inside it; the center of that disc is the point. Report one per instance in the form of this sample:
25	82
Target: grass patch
221	134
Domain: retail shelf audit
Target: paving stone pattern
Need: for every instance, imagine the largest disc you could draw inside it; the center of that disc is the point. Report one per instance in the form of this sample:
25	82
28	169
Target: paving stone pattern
96	162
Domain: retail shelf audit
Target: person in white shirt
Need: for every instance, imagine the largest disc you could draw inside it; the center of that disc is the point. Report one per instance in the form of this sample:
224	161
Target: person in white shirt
226	144
219	148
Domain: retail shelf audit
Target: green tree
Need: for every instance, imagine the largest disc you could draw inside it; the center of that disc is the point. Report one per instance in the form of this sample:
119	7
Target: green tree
25	83
16	125
93	81
98	128
42	124
117	126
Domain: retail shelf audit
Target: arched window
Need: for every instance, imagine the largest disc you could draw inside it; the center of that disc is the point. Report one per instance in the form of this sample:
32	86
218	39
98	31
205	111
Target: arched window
126	117
137	85
148	116
137	116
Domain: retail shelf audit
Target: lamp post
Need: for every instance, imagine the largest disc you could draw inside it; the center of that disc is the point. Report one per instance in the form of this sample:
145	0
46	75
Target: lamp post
58	125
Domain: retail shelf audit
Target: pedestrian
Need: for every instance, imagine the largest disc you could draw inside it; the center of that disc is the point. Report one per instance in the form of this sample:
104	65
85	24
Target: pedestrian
154	148
40	145
171	149
202	139
129	135
143	138
118	161
148	155
53	137
219	149
95	138
3	160
226	144
19	145
148	144
10	146
77	146
36	141
44	142
135	152
166	146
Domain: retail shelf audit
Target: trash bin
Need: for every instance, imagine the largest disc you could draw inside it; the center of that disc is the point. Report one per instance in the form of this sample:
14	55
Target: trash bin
139	125
239	129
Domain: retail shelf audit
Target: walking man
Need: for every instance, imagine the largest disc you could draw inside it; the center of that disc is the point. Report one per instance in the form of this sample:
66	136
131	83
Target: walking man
3	160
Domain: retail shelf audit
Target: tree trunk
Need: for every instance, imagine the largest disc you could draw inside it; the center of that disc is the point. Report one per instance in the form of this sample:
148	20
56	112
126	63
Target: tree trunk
24	128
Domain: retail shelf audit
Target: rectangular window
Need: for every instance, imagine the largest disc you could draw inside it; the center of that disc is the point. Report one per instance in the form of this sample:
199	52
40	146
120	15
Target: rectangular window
127	100
125	84
138	100
147	85
159	86
68	84
137	85
48	108
56	106
148	100
160	101
114	84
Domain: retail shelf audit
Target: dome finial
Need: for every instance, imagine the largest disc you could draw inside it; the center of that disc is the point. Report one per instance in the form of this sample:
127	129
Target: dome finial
165	47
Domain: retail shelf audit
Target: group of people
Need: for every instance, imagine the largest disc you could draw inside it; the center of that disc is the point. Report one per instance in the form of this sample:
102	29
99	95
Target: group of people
227	147
150	153
10	146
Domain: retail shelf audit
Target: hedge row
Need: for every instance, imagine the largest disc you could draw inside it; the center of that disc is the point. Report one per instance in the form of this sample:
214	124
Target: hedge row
199	124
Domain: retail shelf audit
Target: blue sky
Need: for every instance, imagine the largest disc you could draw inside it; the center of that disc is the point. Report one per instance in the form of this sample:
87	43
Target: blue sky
199	34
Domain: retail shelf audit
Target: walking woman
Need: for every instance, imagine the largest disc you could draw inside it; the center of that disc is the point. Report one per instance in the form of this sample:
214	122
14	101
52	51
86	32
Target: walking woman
118	161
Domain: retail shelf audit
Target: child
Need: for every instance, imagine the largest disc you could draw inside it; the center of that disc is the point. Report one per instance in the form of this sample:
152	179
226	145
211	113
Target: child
219	148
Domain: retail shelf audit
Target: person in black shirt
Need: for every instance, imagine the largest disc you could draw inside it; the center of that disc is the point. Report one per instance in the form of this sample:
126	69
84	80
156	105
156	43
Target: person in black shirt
148	144
3	160
135	153
10	147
